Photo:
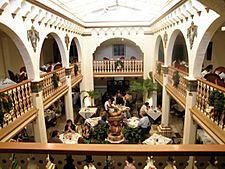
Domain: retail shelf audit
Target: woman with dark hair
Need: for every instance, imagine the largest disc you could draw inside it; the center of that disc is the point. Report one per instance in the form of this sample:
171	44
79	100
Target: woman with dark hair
70	127
129	163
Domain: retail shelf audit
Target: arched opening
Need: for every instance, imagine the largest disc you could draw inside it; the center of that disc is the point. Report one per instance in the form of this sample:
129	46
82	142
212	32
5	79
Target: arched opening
111	51
12	66
179	53
73	53
161	51
51	57
116	48
213	68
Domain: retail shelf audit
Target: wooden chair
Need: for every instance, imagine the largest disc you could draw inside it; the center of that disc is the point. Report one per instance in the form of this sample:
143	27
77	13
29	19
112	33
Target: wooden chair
212	77
12	75
57	66
219	70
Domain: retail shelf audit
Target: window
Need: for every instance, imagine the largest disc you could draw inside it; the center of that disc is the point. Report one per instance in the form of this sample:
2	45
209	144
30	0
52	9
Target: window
118	50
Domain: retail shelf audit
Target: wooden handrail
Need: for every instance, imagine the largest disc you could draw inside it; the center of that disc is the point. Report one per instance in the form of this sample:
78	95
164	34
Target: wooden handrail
179	70
114	149
48	73
212	84
14	86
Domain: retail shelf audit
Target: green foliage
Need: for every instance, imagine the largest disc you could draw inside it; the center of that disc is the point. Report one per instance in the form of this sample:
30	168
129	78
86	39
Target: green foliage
133	135
14	163
176	78
119	64
5	105
159	68
93	94
100	134
75	69
146	87
55	79
217	100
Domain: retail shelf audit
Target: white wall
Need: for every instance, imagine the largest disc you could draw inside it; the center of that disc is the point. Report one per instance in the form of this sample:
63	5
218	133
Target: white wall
10	58
218	52
107	51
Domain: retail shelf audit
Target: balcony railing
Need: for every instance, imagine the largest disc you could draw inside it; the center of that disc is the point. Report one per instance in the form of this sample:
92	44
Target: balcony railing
160	156
111	67
75	78
158	72
203	92
49	90
21	98
181	87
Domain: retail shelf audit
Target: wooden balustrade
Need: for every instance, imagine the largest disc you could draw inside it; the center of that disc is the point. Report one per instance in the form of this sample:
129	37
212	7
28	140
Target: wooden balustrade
48	86
181	87
175	156
203	92
109	66
20	95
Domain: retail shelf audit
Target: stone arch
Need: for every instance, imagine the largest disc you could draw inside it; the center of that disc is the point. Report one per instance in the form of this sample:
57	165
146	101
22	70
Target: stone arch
60	46
78	46
202	47
171	46
158	45
26	57
122	41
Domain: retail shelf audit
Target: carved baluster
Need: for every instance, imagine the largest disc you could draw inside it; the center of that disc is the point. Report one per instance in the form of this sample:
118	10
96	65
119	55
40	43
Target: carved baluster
160	161
181	162
201	162
220	161
20	100
16	102
29	96
23	98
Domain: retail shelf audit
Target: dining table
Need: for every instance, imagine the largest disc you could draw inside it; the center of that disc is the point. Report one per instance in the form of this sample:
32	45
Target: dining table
69	137
157	139
87	112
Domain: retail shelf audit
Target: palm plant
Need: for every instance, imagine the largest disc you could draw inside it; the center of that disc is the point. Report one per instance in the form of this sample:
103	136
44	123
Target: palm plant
146	87
92	94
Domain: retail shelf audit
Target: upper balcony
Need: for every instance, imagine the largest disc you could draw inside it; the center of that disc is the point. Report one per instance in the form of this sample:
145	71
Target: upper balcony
118	68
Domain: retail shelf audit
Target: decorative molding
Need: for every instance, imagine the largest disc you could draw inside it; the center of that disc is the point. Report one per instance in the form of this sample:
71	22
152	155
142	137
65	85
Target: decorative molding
165	39
68	71
191	85
192	33
33	36
165	69
67	41
36	86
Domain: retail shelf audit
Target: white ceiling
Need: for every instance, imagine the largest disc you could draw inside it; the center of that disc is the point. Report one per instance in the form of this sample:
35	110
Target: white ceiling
114	10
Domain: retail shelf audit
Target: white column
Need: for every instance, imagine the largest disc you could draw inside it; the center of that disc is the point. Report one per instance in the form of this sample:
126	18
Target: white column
165	99
40	134
68	97
190	127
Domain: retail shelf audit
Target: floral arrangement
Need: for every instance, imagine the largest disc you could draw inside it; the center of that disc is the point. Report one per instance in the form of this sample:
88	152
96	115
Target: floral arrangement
55	79
75	69
159	67
119	64
5	105
176	78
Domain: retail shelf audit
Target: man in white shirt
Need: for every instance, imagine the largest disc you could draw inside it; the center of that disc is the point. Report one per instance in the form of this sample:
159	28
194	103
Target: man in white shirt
144	109
107	105
144	123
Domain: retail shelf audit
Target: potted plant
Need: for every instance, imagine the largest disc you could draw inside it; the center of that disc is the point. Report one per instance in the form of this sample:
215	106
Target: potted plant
159	68
176	78
5	105
100	134
55	79
92	95
133	135
217	100
119	64
75	69
146	87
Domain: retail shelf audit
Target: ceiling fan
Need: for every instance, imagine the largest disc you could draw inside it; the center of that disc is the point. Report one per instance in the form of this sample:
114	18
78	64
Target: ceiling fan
114	7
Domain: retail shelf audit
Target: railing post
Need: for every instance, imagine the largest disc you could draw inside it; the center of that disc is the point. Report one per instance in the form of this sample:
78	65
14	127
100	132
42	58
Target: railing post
68	96
40	134
189	125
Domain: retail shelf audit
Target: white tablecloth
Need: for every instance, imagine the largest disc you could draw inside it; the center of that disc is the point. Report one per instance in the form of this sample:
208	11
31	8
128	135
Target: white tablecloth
87	112
133	122
92	121
69	138
154	114
157	139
